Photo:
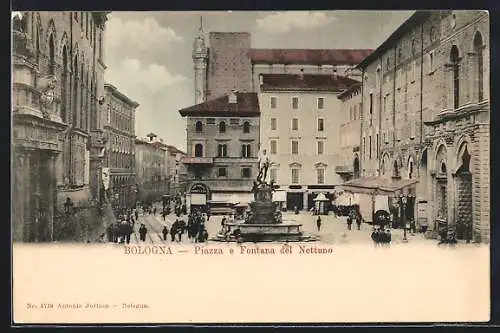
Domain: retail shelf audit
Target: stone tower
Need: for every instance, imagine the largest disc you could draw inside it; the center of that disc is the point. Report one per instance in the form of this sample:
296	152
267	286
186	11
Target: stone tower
200	57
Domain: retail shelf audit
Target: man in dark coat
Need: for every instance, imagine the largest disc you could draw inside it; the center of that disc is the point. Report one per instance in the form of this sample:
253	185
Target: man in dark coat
142	232
164	232
376	236
358	221
349	221
318	223
173	231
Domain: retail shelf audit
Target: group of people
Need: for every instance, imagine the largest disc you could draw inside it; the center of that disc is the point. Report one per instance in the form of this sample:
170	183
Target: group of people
379	236
196	229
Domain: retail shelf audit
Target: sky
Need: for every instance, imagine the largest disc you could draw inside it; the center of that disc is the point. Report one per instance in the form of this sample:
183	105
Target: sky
148	54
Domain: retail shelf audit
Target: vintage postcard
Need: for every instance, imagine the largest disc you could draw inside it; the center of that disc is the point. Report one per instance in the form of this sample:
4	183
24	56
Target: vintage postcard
250	167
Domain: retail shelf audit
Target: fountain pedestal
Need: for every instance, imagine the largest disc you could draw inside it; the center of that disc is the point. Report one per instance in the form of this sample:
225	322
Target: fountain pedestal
264	222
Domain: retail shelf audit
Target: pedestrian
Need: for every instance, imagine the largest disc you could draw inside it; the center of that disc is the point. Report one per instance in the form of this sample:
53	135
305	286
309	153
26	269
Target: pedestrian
109	233
358	221
128	232
173	231
142	232
318	223
154	211
136	213
349	222
388	236
165	232
375	236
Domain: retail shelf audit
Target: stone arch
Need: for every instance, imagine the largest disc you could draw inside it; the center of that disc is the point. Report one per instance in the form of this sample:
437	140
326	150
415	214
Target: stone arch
356	166
63	43
440	158
437	147
478	36
455	46
410	167
75	55
385	163
464	140
51	31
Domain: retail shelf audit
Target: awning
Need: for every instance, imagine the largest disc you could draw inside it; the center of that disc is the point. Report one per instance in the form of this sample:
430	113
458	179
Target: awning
321	197
377	185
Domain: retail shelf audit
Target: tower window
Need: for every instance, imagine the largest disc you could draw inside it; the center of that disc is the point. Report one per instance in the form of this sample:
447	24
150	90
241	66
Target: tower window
199	126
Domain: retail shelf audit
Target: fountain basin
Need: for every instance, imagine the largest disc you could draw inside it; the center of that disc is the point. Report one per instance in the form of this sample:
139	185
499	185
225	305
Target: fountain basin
264	232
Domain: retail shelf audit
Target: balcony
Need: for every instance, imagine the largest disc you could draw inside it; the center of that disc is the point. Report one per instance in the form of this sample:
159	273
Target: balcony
197	160
226	184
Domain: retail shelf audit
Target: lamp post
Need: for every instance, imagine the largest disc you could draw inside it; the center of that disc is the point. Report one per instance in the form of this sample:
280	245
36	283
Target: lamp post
403	207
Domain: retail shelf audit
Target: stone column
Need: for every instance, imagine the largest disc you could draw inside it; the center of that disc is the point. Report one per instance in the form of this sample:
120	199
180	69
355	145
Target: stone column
51	192
19	194
305	201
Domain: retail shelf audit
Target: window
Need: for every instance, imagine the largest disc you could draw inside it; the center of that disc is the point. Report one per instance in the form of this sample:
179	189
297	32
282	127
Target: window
52	61
321	102
478	50
246	127
431	62
274	102
456	76
273	147
222	172
246	172
320	176
199	126
65	85
273	174
295	124
432	34
222	127
321	124
295	176
364	148
198	150
295	147
222	150
370	147
246	151
371	108
295	103
273	124
320	147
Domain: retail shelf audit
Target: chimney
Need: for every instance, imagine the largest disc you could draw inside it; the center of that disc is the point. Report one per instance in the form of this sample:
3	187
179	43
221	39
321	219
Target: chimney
233	98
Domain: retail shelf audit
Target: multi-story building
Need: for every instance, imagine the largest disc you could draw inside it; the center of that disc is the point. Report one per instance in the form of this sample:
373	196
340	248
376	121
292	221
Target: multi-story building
151	179
175	171
119	130
349	133
229	63
426	113
300	130
222	148
58	82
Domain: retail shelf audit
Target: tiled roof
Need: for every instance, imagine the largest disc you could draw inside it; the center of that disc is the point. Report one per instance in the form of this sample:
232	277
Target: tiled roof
316	82
247	105
309	56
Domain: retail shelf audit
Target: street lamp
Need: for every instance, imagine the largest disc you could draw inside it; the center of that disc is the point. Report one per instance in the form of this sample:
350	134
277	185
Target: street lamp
403	207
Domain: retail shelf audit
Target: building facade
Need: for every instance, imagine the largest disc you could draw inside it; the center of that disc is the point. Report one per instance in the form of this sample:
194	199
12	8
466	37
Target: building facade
58	83
230	63
176	171
119	130
300	129
426	113
222	148
350	133
151	179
